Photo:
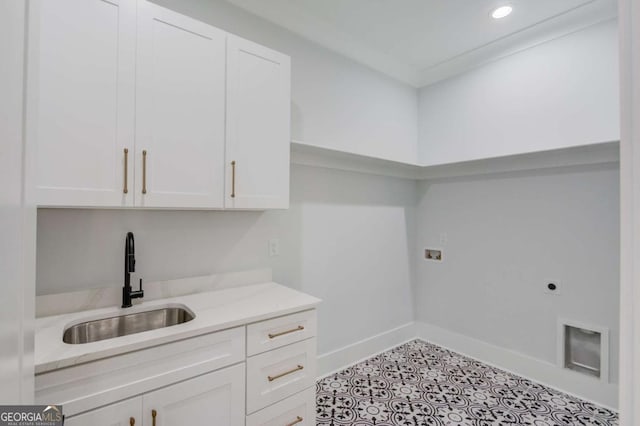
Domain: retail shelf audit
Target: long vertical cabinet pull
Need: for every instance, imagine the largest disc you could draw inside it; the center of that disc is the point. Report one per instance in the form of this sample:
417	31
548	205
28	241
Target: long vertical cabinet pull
233	179
154	413
125	189
144	171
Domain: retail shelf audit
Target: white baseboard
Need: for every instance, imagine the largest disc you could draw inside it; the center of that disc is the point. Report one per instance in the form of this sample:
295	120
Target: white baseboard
346	356
546	373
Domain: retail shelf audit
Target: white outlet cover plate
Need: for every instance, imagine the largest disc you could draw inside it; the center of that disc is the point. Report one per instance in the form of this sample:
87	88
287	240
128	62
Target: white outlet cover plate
274	247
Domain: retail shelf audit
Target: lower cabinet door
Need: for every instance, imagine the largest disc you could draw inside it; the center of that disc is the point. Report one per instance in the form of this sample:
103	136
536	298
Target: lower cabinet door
297	410
212	399
125	413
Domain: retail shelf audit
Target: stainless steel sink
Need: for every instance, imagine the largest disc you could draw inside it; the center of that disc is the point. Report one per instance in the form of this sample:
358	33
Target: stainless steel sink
108	328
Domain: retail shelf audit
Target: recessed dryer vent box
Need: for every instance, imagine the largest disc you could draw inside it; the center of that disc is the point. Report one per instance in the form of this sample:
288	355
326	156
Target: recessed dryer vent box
584	348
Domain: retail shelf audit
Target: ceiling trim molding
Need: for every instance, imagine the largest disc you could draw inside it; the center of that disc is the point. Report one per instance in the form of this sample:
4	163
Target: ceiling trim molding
562	25
319	32
294	19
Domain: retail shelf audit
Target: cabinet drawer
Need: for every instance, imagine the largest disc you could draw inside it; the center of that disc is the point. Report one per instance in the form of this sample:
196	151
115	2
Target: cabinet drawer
297	410
272	376
86	386
119	414
274	333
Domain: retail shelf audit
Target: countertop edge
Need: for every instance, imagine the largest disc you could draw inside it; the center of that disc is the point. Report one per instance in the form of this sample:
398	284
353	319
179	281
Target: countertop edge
311	302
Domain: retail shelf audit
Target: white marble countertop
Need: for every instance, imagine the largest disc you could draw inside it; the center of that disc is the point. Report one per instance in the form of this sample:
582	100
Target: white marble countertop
214	311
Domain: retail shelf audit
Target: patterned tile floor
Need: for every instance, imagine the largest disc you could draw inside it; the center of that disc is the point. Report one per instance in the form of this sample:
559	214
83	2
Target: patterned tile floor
419	383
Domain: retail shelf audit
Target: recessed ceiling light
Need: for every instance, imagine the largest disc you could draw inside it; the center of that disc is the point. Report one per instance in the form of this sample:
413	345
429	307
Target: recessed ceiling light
501	12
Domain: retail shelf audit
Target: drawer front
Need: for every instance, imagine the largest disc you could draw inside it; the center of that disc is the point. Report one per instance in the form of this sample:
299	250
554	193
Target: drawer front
274	333
272	376
86	386
297	410
119	414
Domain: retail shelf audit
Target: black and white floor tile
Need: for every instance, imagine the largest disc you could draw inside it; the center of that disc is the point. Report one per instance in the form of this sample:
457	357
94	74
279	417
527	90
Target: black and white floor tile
421	384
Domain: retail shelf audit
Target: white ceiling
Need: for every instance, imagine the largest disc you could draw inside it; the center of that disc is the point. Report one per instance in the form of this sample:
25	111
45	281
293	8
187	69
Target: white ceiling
423	41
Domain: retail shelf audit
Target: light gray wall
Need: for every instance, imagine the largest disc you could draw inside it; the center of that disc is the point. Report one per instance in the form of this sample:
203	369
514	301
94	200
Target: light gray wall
507	235
344	234
336	102
346	239
354	239
555	95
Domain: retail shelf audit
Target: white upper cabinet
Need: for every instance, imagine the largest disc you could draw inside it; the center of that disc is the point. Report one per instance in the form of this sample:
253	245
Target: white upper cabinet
258	126
80	102
180	111
133	105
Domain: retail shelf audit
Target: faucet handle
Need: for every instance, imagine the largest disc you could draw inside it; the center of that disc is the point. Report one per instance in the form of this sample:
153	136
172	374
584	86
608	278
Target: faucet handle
136	294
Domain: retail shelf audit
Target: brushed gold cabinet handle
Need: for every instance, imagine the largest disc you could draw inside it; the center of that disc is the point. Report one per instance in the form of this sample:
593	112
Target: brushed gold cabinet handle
293	330
154	413
293	370
126	172
132	421
295	422
233	179
144	171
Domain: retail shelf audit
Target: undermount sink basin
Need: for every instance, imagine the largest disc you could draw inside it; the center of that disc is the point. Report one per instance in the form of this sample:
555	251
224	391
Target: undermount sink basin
122	325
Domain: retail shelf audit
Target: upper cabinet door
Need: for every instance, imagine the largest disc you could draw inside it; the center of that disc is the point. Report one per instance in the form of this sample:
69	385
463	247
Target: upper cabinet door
258	126
180	120
80	102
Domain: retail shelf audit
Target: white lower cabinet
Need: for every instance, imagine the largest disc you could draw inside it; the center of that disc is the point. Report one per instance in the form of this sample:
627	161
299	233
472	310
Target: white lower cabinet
125	413
299	410
277	374
215	398
202	380
282	331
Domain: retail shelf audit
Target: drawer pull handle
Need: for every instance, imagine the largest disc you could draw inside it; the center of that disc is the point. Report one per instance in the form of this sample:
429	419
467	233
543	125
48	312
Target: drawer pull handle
132	421
154	413
125	190
293	370
295	422
293	330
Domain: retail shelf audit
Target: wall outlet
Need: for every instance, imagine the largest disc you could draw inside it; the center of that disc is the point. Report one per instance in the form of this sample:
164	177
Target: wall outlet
553	287
274	247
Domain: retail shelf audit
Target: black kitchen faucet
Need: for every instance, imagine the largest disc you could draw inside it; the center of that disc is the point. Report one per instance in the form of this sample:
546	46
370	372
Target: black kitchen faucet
129	267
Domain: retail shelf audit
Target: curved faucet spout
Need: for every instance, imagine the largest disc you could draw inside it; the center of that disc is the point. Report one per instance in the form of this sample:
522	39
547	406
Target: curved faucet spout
129	254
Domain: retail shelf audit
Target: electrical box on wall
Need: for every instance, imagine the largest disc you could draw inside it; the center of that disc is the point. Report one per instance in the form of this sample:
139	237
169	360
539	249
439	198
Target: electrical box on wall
584	348
433	255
